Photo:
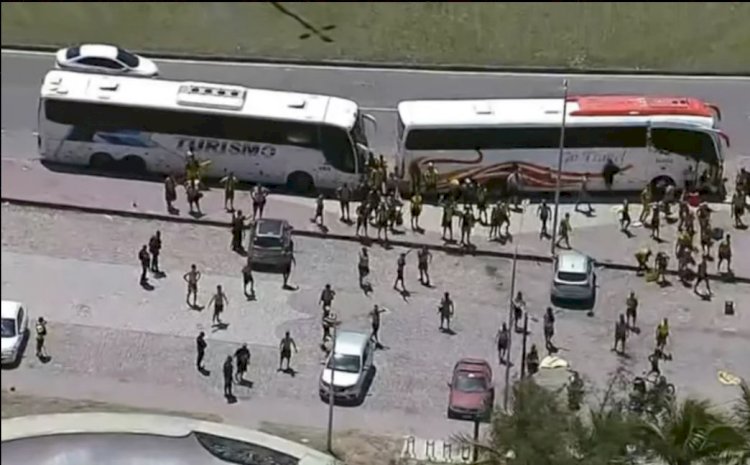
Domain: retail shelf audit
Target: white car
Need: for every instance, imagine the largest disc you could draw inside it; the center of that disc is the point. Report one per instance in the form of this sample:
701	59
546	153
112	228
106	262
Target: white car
104	59
349	366
574	278
15	327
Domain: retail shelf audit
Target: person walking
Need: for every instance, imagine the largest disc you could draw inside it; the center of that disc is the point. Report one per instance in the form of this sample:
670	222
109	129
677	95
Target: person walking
200	346
247	278
285	349
631	310
219	300
625	216
318	217
363	267
424	258
502	339
518	305
41	337
400	264
549	330
543	212
170	192
621	334
259	195
344	194
701	276
564	230
326	299
583	196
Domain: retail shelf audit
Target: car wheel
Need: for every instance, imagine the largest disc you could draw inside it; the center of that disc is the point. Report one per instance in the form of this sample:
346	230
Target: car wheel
133	164
101	161
300	183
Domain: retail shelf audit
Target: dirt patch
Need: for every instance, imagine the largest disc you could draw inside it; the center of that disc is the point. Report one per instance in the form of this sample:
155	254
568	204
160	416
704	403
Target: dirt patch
18	405
352	446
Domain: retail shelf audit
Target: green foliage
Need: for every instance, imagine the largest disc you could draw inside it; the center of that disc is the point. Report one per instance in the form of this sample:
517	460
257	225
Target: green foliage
689	36
540	430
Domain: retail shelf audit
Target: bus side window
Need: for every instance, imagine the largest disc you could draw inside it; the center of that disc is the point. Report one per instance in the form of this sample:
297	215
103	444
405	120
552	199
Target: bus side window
337	148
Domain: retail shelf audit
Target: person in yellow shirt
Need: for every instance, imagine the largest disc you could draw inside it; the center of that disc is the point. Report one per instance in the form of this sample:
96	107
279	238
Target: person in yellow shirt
642	257
662	334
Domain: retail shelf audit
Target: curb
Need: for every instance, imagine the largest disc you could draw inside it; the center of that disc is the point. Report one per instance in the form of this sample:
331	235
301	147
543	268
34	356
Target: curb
322	235
454	67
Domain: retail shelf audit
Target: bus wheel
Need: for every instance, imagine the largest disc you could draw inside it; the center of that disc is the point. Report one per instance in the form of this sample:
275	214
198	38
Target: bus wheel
101	161
300	183
660	183
133	164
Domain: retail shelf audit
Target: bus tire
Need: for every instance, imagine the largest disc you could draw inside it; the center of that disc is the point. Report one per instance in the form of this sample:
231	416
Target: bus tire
101	161
661	182
133	164
300	183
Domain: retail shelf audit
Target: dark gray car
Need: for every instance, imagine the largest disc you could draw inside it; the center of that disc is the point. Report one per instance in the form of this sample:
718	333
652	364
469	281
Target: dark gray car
271	242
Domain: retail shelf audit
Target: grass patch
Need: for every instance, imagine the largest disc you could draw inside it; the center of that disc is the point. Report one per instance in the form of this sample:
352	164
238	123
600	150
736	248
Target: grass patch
352	447
18	405
699	36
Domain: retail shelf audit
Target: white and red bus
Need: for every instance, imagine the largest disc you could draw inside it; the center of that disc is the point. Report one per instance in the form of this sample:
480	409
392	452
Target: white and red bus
652	139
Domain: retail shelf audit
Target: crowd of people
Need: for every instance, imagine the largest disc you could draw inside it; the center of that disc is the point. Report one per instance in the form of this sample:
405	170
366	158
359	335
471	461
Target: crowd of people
380	206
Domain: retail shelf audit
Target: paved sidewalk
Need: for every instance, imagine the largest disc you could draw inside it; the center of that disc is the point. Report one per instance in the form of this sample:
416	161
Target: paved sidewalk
598	235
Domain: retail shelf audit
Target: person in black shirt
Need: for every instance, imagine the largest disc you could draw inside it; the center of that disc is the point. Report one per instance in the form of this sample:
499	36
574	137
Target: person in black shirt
154	248
228	371
145	260
200	345
549	330
502	339
243	361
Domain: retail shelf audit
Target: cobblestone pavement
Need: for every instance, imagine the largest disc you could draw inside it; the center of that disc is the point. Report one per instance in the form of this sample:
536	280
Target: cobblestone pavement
596	234
105	327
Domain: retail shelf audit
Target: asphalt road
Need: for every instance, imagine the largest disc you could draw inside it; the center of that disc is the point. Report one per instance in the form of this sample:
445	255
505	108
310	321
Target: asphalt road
107	335
379	91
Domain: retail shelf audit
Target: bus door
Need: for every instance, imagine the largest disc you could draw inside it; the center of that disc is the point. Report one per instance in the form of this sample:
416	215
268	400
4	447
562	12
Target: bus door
683	152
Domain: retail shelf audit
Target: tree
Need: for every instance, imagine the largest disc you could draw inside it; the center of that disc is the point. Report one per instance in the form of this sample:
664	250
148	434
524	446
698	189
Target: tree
742	424
688	433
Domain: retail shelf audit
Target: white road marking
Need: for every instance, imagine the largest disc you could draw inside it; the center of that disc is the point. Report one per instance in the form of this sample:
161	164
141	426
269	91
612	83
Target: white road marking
291	67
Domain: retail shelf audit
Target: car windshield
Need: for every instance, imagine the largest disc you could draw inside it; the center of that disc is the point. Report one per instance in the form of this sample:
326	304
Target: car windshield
267	241
470	383
8	327
72	52
128	58
345	363
572	277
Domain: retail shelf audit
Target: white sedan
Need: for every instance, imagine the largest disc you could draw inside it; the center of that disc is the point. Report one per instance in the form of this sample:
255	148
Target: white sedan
15	327
104	59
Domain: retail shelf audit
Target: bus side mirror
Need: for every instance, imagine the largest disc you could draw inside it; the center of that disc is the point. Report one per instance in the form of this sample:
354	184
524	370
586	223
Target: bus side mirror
371	119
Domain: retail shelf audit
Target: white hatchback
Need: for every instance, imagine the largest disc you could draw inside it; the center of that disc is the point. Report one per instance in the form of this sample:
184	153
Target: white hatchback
106	59
15	328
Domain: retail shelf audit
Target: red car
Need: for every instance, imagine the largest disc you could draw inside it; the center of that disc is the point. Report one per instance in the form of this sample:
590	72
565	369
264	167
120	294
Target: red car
472	394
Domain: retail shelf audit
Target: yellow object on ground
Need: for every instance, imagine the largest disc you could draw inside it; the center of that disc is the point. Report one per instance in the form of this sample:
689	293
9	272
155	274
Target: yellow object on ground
551	361
729	379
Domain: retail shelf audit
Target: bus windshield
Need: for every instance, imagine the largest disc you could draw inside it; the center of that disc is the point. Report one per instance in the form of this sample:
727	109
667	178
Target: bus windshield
698	145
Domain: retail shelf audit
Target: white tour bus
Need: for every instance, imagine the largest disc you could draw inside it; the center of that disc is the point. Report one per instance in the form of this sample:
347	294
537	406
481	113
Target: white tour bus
148	125
656	140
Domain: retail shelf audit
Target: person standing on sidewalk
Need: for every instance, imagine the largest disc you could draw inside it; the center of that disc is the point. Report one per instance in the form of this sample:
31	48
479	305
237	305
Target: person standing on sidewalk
259	195
345	196
170	192
230	183
219	300
145	260
200	346
191	278
583	196
228	371
154	248
543	212
41	336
